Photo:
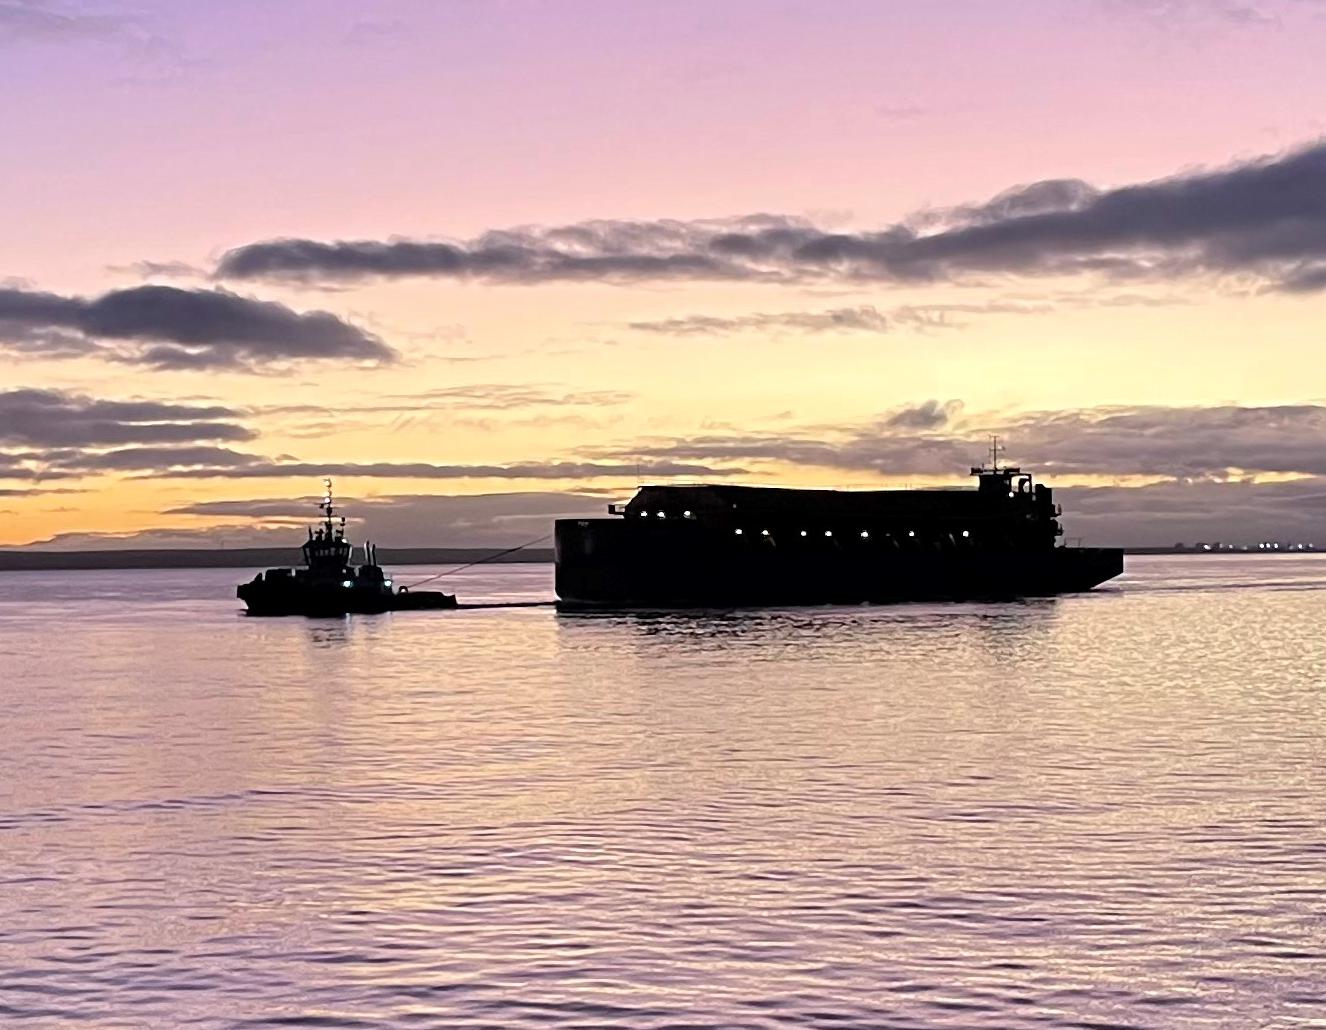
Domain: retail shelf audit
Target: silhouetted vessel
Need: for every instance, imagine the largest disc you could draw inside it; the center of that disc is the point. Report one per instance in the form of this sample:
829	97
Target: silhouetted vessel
737	546
329	584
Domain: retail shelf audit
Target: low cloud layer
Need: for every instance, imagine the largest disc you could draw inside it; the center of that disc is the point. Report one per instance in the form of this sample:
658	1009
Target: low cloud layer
933	439
164	327
497	520
55	418
1262	220
52	434
1187	512
1163	513
55	434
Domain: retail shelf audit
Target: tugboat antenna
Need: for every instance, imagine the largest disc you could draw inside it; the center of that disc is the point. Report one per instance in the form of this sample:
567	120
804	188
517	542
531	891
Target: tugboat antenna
994	453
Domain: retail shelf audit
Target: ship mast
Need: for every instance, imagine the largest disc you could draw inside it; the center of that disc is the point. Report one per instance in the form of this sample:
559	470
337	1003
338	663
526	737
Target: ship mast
328	507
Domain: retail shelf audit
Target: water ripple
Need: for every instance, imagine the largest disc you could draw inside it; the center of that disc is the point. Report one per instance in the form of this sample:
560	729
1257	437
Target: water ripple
1102	811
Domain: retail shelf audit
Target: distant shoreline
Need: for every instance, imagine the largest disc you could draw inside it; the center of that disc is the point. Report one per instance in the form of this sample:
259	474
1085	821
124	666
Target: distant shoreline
250	558
273	557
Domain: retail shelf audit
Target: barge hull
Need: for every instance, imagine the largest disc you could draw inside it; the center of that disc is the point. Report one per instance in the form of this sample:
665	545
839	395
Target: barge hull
619	564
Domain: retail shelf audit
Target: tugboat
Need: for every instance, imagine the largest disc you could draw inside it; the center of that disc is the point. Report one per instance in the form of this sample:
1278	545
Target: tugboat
329	584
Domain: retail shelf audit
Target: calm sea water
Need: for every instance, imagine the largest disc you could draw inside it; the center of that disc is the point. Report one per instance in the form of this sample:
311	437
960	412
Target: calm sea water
1106	810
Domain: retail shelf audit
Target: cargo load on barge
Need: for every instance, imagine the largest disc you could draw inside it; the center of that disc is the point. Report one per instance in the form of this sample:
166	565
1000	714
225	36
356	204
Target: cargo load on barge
743	546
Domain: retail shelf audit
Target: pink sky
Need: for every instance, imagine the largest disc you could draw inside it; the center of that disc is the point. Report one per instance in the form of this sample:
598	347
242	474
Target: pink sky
175	131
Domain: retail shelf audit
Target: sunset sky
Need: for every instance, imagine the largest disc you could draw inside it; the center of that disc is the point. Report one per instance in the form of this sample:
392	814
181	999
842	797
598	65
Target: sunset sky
491	261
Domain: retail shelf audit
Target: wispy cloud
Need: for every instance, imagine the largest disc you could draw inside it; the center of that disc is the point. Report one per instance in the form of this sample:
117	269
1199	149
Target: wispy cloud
258	468
40	21
860	319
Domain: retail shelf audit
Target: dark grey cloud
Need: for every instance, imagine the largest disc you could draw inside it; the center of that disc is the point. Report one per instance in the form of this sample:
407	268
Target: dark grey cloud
51	434
54	434
1236	512
926	415
613	251
932	439
55	418
1264	219
162	461
166	327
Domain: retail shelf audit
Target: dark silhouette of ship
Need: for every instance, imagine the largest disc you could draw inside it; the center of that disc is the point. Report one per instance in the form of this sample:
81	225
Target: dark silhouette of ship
329	583
738	546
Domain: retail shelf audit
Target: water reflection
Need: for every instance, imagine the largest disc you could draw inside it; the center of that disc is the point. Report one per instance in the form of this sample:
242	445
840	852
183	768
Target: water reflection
1099	810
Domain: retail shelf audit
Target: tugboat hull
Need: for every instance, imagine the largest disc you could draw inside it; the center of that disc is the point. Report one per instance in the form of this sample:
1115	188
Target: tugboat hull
616	564
332	602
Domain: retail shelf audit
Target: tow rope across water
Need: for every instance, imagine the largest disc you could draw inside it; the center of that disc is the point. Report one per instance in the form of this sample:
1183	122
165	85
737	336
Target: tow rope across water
481	561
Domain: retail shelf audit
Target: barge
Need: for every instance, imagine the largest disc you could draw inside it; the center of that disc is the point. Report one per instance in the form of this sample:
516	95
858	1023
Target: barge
743	546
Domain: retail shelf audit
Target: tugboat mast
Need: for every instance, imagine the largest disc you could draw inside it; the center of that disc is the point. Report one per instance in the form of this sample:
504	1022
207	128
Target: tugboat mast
328	507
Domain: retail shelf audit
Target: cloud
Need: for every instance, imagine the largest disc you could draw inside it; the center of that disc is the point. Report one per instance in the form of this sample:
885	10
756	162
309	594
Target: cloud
55	418
1161	513
613	251
420	520
1237	512
862	319
1179	443
65	435
506	397
927	415
165	327
497	520
263	469
38	21
1264	219
34	491
1168	12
